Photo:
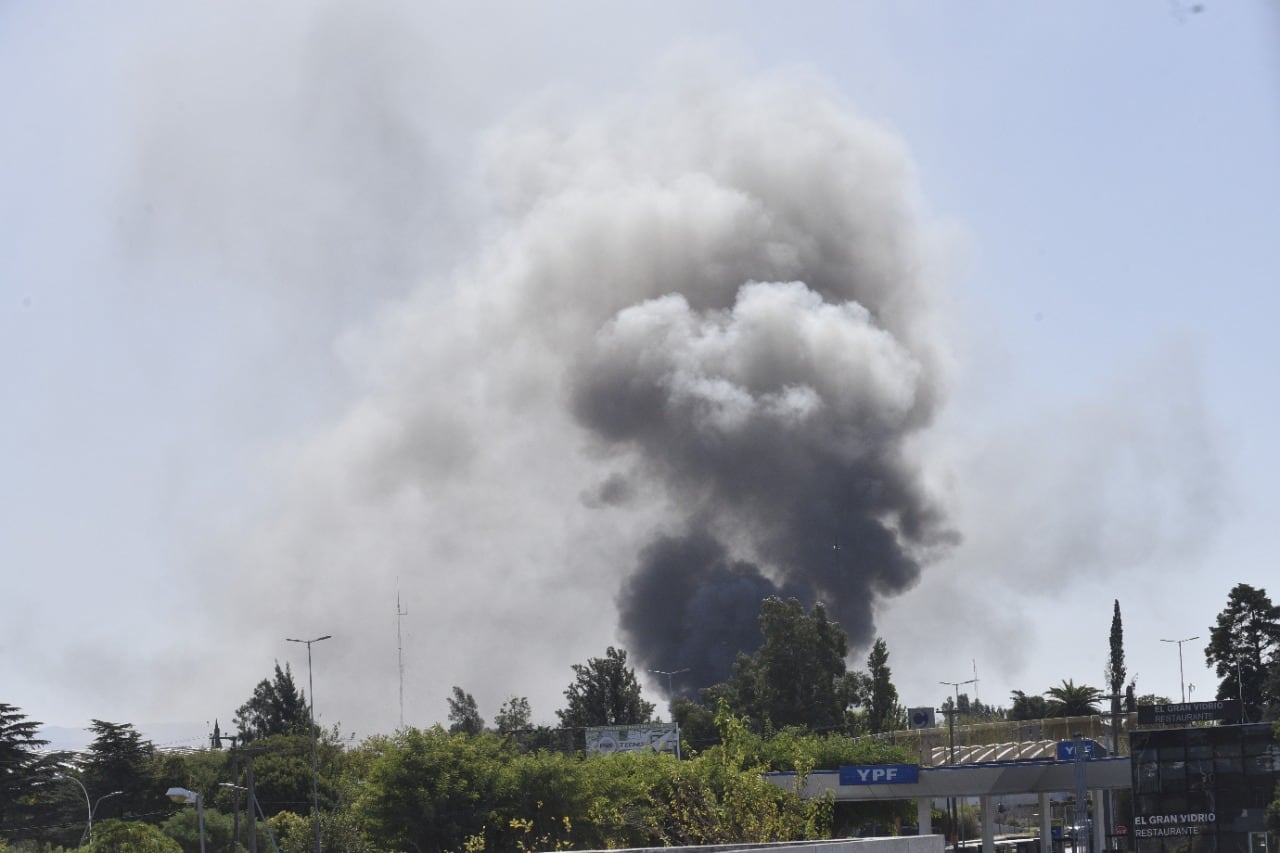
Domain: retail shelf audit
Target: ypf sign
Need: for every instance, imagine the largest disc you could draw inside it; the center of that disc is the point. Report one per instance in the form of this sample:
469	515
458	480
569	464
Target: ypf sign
1067	750
880	774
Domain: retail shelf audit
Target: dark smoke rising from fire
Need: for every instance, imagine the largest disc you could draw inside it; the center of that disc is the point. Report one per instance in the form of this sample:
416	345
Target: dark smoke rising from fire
769	387
684	370
776	420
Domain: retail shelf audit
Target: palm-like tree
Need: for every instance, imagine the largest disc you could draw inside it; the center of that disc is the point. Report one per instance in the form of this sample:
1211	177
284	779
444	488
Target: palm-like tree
1073	700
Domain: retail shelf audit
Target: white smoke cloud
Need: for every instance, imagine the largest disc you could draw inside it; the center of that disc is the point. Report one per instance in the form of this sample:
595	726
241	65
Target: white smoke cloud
384	349
751	244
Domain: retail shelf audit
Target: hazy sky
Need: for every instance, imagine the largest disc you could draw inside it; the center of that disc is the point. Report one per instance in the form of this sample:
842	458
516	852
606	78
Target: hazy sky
308	306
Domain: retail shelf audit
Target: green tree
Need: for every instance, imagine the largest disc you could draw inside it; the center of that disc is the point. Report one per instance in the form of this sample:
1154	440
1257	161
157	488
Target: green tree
1116	671
798	676
184	827
120	759
277	707
1072	700
1033	707
26	807
131	836
513	716
605	692
697	724
464	715
884	713
430	791
282	772
1243	644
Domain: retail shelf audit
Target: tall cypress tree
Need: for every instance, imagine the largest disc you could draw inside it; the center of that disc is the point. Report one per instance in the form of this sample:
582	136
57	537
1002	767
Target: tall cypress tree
884	696
1116	671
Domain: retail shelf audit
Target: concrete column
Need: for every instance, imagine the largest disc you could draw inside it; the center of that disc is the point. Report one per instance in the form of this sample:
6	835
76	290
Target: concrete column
1046	824
988	833
1099	825
924	815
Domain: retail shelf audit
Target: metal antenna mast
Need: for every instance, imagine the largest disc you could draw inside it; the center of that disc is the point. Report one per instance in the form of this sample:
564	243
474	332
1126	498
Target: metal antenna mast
400	654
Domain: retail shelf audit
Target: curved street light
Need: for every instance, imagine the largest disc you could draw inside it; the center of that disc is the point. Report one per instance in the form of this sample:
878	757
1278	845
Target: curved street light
91	809
182	795
87	806
94	811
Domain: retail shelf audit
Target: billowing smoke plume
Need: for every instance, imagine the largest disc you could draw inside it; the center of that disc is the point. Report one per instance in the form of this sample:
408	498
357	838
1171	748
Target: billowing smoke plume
770	381
683	370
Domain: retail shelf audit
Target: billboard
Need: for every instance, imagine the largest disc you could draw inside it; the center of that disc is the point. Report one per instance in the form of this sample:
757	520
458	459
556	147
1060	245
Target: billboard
1221	711
920	718
608	739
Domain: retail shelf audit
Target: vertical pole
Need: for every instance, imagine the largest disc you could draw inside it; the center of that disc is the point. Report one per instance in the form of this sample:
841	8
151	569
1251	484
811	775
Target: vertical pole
315	760
1046	823
988	832
1182	678
253	798
200	817
951	801
315	755
1240	688
235	778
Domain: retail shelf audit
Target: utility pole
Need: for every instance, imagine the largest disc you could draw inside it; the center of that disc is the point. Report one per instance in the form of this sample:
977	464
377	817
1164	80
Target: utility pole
248	752
235	775
951	720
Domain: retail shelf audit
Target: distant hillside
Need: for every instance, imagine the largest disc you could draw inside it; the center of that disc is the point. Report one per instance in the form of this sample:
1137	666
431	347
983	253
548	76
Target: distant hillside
163	735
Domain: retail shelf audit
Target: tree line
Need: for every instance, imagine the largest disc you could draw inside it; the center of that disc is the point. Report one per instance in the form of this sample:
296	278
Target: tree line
792	704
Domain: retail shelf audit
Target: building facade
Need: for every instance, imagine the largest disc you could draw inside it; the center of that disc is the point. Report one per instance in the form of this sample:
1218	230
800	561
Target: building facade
1203	789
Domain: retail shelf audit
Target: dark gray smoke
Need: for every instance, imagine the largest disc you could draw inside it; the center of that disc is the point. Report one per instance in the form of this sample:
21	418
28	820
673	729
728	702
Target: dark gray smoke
770	388
779	421
687	357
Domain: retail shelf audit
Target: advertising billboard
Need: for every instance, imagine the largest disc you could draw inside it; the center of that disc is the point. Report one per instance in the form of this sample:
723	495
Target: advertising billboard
659	737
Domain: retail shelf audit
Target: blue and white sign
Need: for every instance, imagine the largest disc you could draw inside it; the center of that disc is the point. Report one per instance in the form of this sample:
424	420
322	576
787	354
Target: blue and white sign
880	774
1067	749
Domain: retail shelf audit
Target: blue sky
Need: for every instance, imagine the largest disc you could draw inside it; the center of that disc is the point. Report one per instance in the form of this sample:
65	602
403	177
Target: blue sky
227	237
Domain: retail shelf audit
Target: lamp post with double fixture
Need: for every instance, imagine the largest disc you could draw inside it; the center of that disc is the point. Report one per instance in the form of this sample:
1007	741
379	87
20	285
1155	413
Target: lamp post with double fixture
315	760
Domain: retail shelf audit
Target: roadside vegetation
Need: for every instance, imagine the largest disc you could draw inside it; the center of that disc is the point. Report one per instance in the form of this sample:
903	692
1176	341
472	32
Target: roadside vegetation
792	705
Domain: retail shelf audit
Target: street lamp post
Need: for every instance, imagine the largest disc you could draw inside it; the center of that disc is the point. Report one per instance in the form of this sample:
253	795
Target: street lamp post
1240	689
1181	679
94	812
951	726
91	809
315	760
182	795
88	808
670	675
670	694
